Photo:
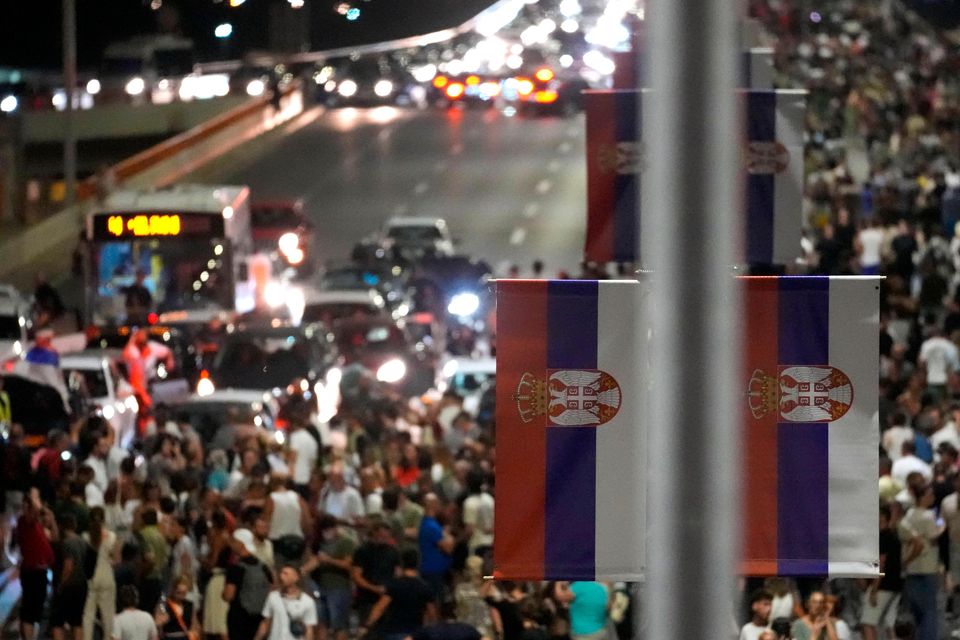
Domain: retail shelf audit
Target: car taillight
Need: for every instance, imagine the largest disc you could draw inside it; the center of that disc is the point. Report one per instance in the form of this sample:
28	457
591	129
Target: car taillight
440	82
544	75
545	97
454	90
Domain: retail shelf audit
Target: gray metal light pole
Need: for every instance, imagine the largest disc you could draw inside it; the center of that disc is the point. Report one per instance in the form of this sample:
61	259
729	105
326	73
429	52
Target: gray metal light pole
688	228
69	86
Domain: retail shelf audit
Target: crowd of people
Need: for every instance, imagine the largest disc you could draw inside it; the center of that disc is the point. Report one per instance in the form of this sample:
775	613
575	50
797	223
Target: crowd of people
385	529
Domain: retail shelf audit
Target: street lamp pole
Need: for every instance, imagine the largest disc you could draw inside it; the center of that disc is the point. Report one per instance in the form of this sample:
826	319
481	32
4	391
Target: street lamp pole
688	227
70	86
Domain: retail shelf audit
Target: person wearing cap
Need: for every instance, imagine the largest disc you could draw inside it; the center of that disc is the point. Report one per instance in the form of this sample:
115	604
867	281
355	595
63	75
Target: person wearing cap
249	581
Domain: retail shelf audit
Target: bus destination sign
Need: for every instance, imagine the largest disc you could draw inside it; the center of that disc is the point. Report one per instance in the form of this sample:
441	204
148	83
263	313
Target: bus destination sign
123	226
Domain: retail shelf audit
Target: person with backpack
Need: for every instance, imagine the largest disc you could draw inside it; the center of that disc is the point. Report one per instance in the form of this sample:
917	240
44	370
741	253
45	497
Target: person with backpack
249	581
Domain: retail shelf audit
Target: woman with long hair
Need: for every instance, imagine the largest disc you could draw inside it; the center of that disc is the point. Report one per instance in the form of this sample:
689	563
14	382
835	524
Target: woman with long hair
101	588
215	564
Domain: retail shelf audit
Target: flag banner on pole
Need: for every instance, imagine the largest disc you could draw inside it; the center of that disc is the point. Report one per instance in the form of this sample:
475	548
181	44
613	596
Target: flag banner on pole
614	163
773	172
756	68
811	371
570	446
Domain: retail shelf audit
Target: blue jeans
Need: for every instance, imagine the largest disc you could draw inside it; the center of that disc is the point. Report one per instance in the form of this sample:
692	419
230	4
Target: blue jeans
920	590
333	608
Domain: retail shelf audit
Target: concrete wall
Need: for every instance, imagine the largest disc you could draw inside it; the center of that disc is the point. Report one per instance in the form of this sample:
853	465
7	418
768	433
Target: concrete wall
124	120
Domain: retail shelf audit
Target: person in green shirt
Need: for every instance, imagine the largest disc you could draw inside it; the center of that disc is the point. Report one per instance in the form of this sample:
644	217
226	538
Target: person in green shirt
330	567
403	515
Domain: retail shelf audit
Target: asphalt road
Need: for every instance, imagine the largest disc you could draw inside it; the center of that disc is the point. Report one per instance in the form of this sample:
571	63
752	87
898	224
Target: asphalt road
512	189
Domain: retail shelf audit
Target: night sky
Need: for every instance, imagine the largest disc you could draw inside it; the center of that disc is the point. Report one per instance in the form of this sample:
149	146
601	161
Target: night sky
30	33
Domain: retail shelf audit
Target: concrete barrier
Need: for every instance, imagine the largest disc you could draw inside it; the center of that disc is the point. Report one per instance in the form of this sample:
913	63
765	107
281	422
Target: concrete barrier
50	241
123	120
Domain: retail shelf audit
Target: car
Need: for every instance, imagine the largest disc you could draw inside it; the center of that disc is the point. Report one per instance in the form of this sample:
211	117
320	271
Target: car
387	279
175	338
282	230
94	374
14	319
366	81
471	378
386	348
326	306
410	239
217	416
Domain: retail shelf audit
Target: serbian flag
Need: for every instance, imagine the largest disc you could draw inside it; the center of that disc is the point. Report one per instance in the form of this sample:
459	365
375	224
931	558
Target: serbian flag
756	68
570	446
811	367
614	162
773	173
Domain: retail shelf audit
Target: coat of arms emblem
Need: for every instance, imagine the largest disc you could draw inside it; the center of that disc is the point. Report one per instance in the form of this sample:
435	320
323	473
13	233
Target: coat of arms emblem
766	157
800	394
569	398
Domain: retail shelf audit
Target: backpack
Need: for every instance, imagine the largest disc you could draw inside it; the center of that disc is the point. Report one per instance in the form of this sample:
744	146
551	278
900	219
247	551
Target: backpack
254	588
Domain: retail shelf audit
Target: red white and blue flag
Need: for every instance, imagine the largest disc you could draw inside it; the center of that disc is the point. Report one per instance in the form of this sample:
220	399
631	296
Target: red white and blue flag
773	173
570	445
614	164
811	365
756	68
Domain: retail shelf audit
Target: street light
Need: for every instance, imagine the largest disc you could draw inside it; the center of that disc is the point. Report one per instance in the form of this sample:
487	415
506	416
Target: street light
224	30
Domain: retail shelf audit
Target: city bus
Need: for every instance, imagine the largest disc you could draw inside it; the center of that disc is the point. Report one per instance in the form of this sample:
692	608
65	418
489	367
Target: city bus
190	245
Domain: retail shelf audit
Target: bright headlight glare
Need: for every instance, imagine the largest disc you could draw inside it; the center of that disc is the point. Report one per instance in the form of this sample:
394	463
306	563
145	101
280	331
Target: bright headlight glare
464	304
108	412
205	387
255	88
135	86
347	88
392	371
288	243
383	88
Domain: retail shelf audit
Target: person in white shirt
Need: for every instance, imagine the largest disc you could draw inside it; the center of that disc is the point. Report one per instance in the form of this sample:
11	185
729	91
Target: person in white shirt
132	623
940	358
950	511
948	433
339	499
869	242
288	614
478	515
760	603
908	463
304	452
894	437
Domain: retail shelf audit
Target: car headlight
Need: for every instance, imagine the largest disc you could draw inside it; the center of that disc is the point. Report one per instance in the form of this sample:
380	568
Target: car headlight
347	88
107	412
392	371
383	88
132	404
464	304
135	86
288	243
255	88
279	437
205	387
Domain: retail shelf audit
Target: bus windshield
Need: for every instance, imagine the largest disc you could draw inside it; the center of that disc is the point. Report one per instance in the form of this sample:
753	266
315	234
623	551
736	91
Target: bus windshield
180	274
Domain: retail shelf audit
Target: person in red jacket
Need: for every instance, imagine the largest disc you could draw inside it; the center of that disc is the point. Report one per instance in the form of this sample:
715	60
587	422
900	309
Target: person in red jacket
34	529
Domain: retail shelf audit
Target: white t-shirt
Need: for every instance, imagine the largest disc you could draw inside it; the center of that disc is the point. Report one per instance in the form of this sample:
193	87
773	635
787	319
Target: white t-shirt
93	495
940	356
99	467
893	439
871	239
751	631
947	433
279	610
907	465
843	630
133	624
345	505
478	513
307	452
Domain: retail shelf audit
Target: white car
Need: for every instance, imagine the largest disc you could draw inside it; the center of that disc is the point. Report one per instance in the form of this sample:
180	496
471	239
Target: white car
94	374
13	323
328	305
208	413
417	237
469	377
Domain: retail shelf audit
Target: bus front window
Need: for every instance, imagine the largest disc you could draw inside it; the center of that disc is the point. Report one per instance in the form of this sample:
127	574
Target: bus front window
180	274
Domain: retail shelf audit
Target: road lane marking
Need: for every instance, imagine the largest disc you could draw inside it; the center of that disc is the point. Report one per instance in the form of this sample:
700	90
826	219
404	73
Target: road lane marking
553	166
421	188
531	210
517	236
544	186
